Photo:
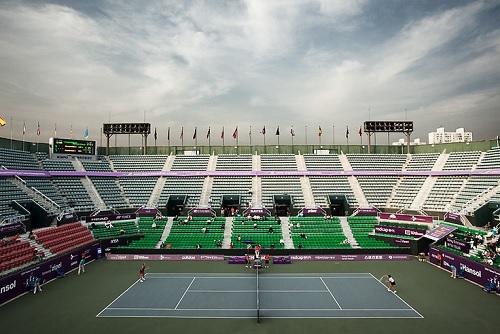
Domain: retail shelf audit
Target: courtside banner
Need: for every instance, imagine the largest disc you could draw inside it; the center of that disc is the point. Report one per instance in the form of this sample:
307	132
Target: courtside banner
473	271
16	284
11	229
439	232
351	257
164	257
105	218
458	244
405	218
452	218
411	232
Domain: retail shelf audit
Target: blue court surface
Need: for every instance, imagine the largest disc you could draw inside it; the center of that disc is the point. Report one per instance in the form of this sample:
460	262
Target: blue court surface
197	295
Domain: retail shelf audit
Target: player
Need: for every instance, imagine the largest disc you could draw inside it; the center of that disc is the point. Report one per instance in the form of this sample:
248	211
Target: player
81	265
391	283
142	273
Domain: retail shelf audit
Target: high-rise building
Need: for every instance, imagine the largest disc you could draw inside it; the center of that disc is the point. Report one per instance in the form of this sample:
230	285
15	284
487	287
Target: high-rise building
440	136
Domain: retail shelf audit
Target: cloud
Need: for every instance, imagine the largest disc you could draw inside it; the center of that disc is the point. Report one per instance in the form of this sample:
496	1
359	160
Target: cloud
245	63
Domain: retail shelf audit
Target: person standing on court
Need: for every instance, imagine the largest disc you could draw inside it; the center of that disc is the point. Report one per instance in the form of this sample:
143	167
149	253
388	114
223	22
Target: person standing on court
81	265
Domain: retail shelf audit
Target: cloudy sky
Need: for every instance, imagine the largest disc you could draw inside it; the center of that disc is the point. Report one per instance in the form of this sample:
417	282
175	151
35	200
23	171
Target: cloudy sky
249	63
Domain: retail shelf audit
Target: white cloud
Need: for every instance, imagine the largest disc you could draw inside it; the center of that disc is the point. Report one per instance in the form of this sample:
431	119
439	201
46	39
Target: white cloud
249	62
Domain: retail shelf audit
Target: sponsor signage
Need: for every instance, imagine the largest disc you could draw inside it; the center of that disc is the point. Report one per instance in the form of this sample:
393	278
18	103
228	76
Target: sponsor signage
439	232
405	217
313	212
105	218
473	271
351	257
202	212
411	232
147	212
164	257
458	244
366	212
16	284
261	212
11	229
452	218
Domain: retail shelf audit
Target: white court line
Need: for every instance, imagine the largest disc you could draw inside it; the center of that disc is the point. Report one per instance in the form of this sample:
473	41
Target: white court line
249	317
331	294
421	316
253	309
254	291
217	275
262	277
185	292
121	294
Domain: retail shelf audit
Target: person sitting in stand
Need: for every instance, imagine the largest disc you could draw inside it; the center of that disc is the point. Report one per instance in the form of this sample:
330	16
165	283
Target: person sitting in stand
238	237
154	224
303	236
282	242
255	225
203	230
209	221
198	246
270	230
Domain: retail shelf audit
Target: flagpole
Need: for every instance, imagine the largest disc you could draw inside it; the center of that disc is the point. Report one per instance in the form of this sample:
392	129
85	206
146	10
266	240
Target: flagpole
129	143
209	137
11	142
195	136
24	130
291	132
306	134
319	136
250	135
333	134
168	139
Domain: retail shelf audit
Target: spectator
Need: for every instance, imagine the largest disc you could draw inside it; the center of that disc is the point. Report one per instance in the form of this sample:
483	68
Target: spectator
282	242
203	230
209	221
198	246
255	226
238	238
34	283
270	230
154	224
81	265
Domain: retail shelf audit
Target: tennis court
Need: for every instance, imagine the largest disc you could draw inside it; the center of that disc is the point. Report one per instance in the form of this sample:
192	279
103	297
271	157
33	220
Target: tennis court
247	295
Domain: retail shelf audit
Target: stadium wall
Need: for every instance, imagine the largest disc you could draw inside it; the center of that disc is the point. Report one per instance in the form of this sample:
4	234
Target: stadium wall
481	145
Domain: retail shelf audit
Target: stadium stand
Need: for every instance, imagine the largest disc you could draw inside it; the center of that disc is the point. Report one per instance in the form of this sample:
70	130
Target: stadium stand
462	160
188	233
289	185
422	161
12	159
118	228
322	162
190	162
278	162
190	186
8	193
257	232
361	228
385	162
318	232
329	185
138	189
138	162
15	253
232	185
63	238
151	229
377	189
231	162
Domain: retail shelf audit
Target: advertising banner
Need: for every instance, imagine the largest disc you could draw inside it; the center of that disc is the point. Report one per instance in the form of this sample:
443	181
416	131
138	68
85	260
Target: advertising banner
313	212
458	244
351	257
411	232
452	218
16	284
105	218
165	257
439	232
405	217
366	212
11	229
473	271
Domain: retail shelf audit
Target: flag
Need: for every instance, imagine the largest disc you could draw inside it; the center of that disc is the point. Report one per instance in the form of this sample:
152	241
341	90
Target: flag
71	130
360	131
263	130
208	133
292	132
320	131
278	131
347	132
156	135
235	133
86	133
182	133
2	121
38	129
55	129
168	134
24	128
222	134
194	134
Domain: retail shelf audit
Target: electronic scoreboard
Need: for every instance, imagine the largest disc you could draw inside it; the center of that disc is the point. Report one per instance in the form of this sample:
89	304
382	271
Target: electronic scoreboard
72	146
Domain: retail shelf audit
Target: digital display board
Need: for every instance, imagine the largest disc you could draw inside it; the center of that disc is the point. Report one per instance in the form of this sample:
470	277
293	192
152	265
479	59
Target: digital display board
74	146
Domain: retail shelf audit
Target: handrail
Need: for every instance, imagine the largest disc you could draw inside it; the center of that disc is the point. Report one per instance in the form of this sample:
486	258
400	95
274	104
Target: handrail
45	197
